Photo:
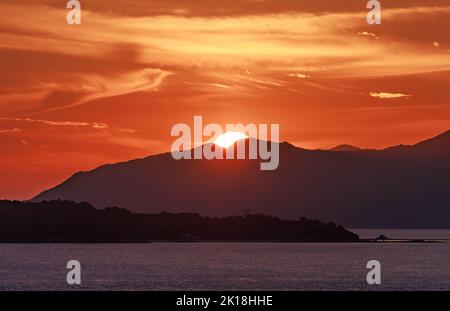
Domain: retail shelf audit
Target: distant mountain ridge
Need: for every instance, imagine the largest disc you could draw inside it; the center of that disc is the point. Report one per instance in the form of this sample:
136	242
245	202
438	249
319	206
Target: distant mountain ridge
398	187
345	148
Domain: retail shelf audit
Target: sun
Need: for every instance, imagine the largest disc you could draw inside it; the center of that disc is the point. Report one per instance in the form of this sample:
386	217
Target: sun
229	138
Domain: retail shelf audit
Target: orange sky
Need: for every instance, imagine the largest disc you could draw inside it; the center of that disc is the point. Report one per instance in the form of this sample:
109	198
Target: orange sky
73	97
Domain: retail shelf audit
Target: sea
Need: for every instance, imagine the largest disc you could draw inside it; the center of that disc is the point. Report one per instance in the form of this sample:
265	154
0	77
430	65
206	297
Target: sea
233	266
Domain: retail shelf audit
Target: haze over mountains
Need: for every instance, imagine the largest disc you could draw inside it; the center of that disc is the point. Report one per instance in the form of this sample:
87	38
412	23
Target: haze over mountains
398	187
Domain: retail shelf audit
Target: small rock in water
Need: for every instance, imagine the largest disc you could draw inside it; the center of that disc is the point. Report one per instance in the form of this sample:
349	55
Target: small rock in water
382	237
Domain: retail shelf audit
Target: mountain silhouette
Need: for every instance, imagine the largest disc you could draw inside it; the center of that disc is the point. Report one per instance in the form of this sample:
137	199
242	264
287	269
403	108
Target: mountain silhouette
398	187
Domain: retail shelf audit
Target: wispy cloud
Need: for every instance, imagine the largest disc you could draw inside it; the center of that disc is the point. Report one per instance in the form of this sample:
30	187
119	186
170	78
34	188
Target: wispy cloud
94	87
8	131
281	39
73	132
298	75
368	34
387	95
220	85
94	125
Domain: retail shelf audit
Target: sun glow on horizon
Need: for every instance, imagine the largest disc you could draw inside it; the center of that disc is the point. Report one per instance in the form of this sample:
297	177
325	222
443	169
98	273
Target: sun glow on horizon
227	139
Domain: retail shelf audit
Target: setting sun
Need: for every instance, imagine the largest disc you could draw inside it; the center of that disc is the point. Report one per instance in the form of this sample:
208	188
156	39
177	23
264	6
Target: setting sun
229	138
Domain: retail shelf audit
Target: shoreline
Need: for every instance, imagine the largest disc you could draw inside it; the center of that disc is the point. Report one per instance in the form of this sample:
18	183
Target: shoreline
391	241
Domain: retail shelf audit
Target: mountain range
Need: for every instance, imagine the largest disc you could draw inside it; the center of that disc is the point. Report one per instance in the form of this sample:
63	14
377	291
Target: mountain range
397	187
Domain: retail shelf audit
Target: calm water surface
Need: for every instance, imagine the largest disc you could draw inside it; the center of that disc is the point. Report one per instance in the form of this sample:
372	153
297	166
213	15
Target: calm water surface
231	266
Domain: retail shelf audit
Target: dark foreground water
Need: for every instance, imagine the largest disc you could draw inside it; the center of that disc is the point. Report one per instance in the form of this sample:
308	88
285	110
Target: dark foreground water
231	266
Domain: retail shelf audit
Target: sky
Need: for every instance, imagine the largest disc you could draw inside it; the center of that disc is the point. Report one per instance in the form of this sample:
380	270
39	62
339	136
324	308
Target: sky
73	97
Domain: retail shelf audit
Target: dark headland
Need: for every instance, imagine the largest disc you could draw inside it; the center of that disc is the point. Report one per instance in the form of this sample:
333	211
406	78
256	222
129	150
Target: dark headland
68	222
